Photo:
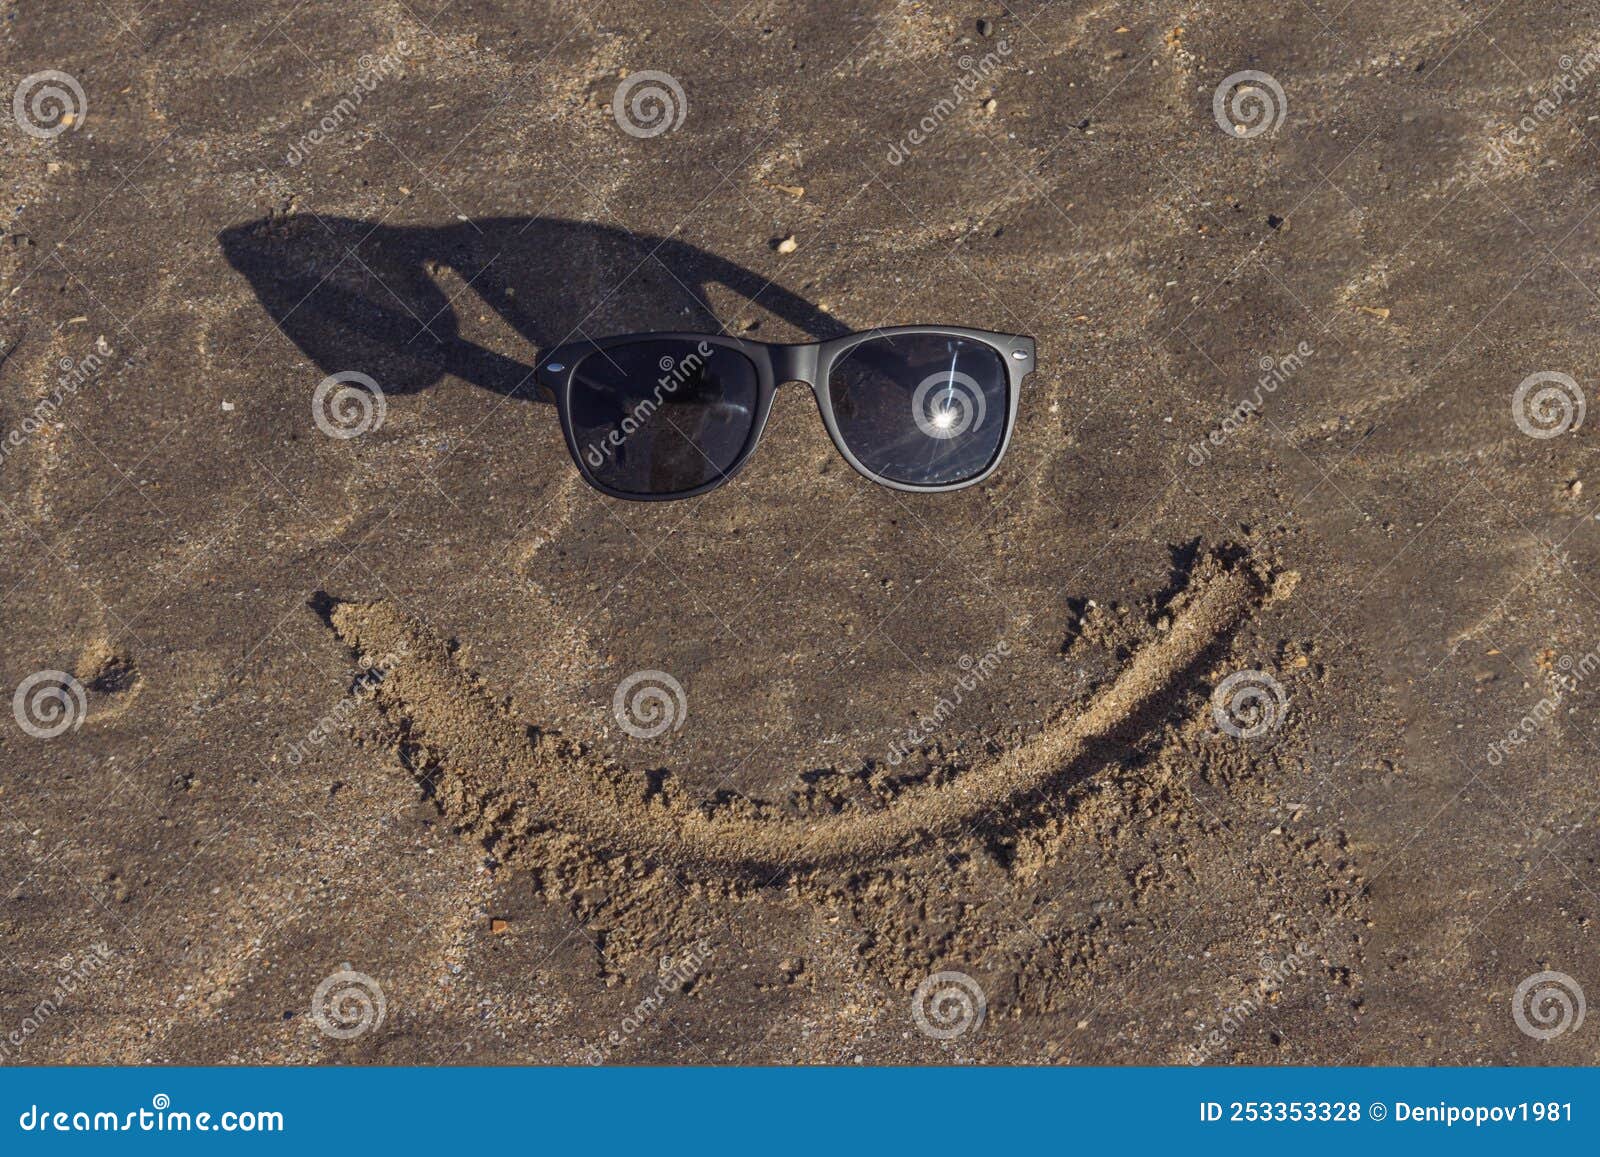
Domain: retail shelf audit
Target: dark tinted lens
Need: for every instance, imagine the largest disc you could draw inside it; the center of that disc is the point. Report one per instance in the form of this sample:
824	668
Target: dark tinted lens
924	409
662	416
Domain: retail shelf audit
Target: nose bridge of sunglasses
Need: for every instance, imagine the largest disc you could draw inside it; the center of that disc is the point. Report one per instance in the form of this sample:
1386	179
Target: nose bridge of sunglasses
794	363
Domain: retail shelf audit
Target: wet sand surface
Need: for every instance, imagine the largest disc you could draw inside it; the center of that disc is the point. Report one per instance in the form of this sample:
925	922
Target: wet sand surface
1246	714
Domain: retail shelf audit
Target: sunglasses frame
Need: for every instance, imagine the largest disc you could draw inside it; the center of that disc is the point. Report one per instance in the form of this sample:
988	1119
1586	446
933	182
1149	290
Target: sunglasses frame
778	364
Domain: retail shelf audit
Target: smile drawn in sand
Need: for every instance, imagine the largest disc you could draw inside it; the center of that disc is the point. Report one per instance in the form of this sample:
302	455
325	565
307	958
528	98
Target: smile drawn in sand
492	775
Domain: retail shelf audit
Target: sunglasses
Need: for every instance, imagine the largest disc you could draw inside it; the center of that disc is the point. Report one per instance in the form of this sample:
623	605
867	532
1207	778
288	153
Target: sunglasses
653	416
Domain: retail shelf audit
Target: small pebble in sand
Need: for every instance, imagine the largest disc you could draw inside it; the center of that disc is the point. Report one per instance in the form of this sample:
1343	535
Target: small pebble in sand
986	28
990	105
788	244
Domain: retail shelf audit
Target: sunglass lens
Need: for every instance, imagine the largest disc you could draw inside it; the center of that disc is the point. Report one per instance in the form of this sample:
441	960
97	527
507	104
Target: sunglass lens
662	416
921	409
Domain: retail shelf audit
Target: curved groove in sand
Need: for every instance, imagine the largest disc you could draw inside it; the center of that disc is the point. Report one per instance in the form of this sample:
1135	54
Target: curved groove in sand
494	776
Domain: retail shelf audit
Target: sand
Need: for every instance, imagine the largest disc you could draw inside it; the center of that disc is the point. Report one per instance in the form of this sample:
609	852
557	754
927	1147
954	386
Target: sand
347	703
471	754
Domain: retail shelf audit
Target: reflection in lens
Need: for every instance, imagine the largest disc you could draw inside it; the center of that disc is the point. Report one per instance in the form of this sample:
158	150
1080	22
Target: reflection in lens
947	403
663	415
923	409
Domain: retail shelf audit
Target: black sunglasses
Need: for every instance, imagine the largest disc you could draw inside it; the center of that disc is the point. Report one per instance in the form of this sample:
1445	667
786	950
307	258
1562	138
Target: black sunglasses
651	416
